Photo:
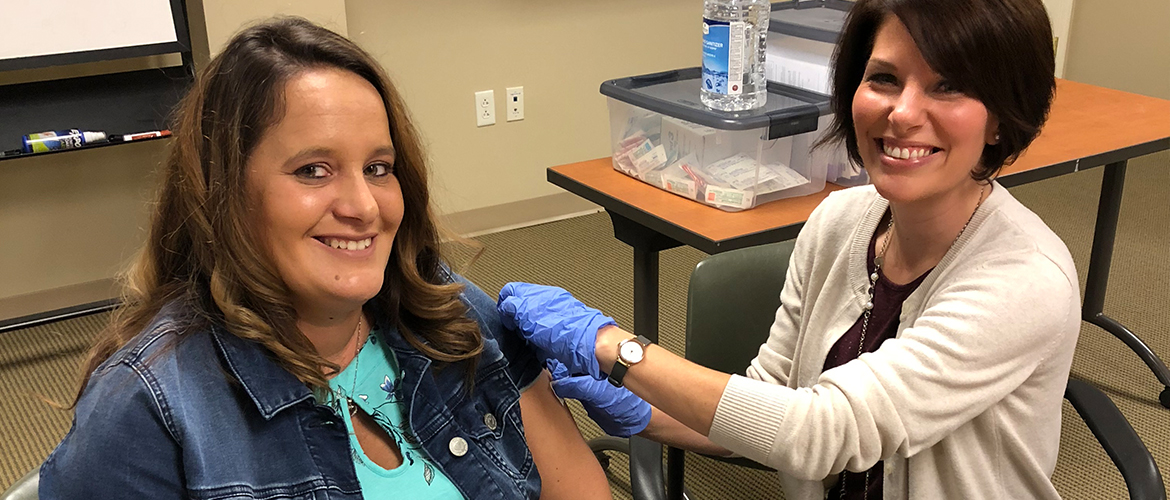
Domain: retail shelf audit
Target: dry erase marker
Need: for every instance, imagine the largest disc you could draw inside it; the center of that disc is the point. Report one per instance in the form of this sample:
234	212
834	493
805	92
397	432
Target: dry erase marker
54	140
141	135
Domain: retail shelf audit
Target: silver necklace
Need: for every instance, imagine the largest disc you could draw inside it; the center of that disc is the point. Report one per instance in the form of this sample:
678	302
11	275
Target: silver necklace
356	359
873	278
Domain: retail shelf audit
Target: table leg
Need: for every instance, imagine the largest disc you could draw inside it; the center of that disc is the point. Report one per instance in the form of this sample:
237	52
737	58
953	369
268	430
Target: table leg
647	244
1108	208
646	324
646	292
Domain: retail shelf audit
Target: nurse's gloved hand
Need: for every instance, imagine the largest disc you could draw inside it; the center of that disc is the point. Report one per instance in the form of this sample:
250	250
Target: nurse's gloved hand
615	409
560	326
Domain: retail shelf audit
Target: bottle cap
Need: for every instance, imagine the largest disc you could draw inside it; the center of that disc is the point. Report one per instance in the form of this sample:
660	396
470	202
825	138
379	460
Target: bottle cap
94	137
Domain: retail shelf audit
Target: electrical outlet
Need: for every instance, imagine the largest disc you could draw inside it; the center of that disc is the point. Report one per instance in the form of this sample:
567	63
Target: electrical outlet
485	108
515	97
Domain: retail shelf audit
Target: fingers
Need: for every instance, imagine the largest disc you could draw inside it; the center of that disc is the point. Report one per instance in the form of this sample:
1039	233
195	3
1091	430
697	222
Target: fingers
508	308
509	290
556	369
578	388
553	321
520	288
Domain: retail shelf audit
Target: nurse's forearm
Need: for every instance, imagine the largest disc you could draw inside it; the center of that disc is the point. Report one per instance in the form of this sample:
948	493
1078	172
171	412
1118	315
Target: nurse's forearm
682	389
666	430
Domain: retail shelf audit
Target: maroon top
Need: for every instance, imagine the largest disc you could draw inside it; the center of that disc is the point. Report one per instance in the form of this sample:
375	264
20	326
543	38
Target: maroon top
883	325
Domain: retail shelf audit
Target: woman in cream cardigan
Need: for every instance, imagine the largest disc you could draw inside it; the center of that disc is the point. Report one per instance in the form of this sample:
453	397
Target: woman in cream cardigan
927	322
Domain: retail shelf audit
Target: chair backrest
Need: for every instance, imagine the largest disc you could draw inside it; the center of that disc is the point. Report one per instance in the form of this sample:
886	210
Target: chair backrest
24	488
732	302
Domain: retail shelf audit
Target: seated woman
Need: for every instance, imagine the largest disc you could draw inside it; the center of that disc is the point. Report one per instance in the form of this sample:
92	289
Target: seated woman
290	330
927	322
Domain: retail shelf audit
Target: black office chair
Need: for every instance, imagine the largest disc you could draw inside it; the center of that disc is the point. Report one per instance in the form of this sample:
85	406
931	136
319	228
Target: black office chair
731	303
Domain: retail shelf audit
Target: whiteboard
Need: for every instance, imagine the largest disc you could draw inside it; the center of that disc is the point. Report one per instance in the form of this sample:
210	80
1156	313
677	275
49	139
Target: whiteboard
30	29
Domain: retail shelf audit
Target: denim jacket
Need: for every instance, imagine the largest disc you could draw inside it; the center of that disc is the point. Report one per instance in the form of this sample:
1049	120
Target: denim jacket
206	415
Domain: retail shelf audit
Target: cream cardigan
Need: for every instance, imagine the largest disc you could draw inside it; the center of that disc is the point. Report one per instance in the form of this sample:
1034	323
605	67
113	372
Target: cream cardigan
964	403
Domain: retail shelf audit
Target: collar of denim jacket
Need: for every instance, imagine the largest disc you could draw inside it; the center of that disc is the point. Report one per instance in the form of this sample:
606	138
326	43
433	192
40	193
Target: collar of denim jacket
272	388
269	386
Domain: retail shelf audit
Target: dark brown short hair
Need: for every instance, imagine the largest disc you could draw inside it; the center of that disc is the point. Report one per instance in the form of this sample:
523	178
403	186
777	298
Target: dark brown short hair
997	51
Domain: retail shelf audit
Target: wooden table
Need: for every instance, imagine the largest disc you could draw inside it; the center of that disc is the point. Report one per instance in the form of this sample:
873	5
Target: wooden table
1088	127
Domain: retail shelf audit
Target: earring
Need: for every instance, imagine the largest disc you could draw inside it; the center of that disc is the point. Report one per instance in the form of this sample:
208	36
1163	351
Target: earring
997	137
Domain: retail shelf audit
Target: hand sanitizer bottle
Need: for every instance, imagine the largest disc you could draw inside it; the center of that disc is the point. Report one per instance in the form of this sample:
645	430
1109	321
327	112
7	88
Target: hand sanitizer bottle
735	34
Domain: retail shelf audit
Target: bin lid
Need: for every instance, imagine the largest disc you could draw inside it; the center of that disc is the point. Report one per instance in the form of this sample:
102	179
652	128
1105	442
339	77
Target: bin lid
820	20
675	93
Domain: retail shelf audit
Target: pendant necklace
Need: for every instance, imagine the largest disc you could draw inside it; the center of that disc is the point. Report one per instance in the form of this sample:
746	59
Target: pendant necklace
873	278
356	353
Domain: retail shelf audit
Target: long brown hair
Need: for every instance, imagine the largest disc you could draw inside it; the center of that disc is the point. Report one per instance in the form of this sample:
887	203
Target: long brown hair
200	248
997	51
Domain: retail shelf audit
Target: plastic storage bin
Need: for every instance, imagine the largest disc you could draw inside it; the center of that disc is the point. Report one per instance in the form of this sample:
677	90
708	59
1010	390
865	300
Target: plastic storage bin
819	20
838	168
661	134
801	39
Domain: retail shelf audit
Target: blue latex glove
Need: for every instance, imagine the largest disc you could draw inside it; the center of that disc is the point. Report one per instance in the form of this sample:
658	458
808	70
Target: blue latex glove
617	410
560	326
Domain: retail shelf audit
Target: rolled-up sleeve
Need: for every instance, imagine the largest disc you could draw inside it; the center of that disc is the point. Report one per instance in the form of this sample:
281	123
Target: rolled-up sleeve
523	364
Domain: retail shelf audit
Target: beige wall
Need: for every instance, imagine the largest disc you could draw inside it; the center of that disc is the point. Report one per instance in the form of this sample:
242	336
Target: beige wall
225	17
75	218
1060	15
72	217
441	52
1121	44
71	221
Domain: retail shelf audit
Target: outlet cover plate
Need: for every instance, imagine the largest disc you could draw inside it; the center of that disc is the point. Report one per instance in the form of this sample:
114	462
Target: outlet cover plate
485	108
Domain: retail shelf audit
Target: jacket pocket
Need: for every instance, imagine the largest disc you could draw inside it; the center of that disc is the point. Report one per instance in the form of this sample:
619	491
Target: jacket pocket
491	417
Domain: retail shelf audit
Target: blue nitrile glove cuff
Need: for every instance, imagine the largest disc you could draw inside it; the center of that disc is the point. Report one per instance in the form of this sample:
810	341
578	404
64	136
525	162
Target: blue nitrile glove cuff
616	410
556	323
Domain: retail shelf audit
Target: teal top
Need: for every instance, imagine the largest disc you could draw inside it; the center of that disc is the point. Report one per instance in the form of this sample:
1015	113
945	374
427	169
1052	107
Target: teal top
371	382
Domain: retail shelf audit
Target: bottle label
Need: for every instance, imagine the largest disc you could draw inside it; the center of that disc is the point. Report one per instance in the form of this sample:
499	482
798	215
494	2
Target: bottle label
723	56
53	140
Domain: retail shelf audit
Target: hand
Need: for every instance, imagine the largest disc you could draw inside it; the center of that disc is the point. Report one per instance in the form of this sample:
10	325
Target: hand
617	410
560	326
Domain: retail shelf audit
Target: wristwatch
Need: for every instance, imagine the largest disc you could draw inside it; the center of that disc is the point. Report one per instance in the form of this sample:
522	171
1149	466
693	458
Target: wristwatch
630	352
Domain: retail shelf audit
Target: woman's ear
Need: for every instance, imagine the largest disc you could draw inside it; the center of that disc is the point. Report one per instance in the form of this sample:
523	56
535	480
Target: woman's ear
991	135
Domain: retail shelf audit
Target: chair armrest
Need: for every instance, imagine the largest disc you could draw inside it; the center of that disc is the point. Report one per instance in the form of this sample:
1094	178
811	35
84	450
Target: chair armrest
1118	438
646	478
24	488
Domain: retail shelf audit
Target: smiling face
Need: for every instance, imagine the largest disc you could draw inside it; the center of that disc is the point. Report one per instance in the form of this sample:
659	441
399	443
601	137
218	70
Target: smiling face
918	137
327	202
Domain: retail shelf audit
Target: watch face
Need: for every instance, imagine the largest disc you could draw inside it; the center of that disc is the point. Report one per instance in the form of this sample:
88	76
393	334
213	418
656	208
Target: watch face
632	352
